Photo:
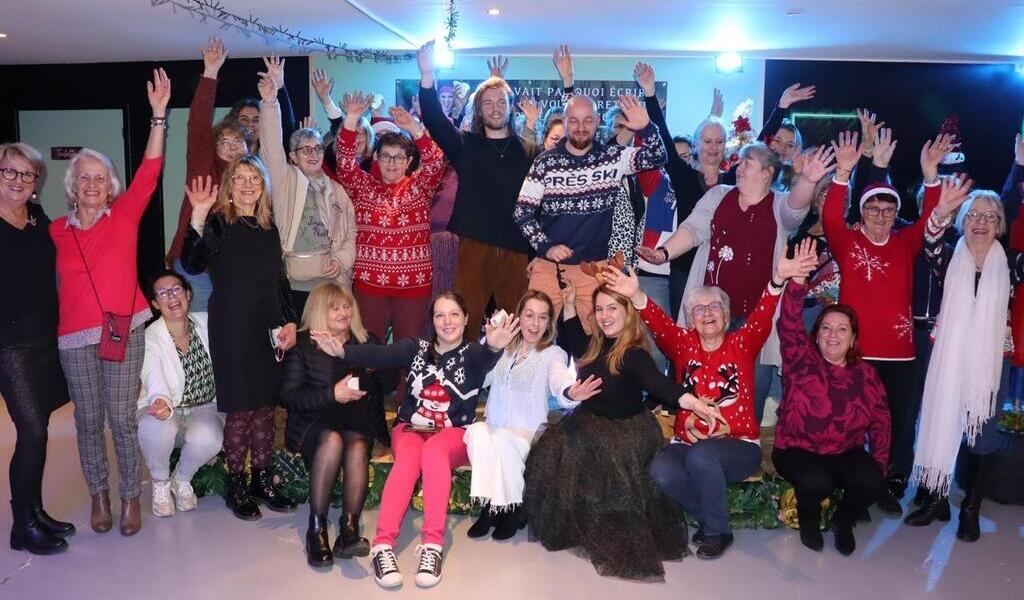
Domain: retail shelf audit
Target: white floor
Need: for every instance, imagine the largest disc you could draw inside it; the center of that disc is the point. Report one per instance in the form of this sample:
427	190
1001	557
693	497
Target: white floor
210	554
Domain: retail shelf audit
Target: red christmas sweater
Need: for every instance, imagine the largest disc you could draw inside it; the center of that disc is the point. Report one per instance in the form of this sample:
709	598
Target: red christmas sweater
878	279
392	221
725	374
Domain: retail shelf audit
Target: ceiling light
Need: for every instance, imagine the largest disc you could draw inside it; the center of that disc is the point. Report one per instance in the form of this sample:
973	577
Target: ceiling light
494	11
444	58
729	62
3	35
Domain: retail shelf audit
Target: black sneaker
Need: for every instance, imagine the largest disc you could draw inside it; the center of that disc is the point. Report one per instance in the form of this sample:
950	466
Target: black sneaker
714	546
385	566
428	574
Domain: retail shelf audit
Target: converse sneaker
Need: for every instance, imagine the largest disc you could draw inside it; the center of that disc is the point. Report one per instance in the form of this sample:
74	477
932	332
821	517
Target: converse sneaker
163	506
429	572
385	566
184	495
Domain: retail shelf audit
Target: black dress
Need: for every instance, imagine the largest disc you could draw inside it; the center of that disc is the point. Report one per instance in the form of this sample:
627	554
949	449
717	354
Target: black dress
31	379
587	481
250	297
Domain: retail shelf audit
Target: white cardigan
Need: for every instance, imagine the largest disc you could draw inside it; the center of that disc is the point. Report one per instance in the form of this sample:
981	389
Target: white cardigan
162	373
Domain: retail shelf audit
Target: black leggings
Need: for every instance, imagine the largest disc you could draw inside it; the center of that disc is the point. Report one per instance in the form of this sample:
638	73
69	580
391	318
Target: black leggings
324	449
816	476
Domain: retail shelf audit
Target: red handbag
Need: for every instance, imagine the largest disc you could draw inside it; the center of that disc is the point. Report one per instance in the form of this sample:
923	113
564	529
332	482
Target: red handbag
115	329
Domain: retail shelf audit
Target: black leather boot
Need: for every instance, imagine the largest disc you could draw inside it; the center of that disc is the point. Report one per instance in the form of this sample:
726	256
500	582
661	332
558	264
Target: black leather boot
28	534
842	529
61	528
349	543
509	523
921	496
969	529
936	508
318	546
238	499
889	501
262	490
808	514
483	523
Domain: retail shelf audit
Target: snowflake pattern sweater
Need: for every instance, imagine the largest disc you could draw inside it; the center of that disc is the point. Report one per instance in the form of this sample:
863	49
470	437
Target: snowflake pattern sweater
878	279
574	200
725	374
392	221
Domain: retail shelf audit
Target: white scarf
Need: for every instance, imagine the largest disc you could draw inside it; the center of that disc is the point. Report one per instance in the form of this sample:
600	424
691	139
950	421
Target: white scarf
966	363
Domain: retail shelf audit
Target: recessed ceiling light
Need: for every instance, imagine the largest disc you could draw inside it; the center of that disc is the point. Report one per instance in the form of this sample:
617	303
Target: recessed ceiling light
494	11
2	35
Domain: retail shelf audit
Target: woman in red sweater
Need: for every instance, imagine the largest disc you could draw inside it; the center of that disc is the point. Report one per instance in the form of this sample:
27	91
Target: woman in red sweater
96	271
392	273
832	403
718	369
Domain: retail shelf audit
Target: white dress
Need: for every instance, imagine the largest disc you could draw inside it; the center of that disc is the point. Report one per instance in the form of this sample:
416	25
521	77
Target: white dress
517	406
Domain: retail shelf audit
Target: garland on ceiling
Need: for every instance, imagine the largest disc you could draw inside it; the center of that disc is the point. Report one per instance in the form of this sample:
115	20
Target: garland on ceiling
249	26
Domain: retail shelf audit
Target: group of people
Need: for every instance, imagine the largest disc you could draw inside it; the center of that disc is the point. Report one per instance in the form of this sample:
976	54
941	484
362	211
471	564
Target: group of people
294	261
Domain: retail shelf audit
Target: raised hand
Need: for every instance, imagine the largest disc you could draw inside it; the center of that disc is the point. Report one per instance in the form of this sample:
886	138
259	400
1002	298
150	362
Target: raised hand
425	60
800	159
932	153
626	284
584	390
806	248
275	68
654	256
405	121
530	110
322	85
847	153
267	88
794	94
635	113
868	125
354	104
1018	150
498	338
816	163
954	193
327	343
159	92
344	394
885	145
202	195
644	75
497	66
563	64
717	103
308	123
214	55
804	260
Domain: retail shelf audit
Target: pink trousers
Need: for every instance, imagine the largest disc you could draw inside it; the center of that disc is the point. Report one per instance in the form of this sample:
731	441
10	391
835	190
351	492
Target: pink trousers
432	456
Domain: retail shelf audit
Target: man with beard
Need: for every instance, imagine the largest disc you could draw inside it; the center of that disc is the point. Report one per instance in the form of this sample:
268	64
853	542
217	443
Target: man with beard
491	163
571	208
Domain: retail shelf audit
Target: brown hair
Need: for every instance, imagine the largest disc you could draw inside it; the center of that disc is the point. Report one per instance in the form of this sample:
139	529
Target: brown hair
490	83
323	295
853	354
226	207
228	125
432	356
633	334
549	335
398	140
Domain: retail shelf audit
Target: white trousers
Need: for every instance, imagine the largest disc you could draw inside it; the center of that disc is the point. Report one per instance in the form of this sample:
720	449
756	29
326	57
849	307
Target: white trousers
498	458
199	432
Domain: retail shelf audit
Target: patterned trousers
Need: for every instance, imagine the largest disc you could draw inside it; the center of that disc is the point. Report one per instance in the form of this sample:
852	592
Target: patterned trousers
104	391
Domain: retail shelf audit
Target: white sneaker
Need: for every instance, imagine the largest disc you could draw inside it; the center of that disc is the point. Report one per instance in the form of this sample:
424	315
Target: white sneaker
385	566
184	495
163	506
428	574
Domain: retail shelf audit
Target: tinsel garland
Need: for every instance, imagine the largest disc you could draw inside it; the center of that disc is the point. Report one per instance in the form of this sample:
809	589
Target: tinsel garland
276	34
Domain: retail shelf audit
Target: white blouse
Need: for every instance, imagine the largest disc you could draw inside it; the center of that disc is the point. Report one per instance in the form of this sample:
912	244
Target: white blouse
519	394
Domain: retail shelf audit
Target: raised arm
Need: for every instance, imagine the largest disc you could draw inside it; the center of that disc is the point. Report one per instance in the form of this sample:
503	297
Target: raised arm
351	177
814	166
790	96
272	150
652	153
440	127
432	165
1011	194
136	198
376	356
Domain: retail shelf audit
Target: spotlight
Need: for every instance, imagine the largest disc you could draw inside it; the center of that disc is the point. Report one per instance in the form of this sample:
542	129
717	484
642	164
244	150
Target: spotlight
494	11
444	58
729	62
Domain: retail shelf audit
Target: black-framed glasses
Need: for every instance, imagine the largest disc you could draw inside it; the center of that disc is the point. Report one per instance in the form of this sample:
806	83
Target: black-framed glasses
874	211
392	159
317	150
26	176
167	293
987	216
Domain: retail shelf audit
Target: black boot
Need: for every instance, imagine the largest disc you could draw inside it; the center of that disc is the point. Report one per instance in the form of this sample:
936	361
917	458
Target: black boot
969	529
349	543
936	507
60	528
842	529
509	523
889	501
483	523
238	499
921	496
808	514
28	534
318	546
262	490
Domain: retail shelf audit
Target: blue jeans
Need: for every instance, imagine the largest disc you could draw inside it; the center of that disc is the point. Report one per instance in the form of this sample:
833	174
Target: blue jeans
695	477
201	288
656	289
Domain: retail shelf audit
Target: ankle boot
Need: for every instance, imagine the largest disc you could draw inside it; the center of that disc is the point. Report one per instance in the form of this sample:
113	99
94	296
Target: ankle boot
238	499
889	501
318	546
936	507
131	516
842	529
808	515
262	490
61	528
483	523
27	534
349	543
969	529
509	523
100	518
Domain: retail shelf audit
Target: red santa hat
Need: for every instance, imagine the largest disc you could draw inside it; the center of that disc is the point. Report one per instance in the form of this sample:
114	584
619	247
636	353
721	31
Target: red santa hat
879	189
954	161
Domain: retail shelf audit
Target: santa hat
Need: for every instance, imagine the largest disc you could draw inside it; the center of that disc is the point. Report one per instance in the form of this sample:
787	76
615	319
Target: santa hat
879	189
955	161
385	126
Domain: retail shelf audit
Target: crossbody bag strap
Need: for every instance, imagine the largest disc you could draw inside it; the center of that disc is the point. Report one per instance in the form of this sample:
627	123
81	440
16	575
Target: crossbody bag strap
87	271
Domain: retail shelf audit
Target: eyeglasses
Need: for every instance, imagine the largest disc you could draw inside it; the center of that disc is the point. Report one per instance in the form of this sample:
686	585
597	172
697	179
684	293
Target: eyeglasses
701	309
310	150
874	211
167	293
987	216
249	120
249	179
26	176
232	144
392	159
95	179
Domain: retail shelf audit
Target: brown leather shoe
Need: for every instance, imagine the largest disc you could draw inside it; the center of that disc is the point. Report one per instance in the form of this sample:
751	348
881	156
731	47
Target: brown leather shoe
131	516
100	519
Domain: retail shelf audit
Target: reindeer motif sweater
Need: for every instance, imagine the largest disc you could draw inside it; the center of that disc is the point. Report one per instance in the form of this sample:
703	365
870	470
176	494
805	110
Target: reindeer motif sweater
725	374
444	393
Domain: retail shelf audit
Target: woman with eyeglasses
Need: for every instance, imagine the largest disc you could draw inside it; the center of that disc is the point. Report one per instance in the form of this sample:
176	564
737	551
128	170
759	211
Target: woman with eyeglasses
968	374
102	310
252	322
312	212
31	379
176	406
393	270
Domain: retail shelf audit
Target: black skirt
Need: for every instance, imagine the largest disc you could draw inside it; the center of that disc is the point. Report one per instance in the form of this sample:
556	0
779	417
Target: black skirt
31	380
588	489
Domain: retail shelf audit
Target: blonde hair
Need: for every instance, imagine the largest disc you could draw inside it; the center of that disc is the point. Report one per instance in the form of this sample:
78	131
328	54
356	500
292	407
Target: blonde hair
224	204
324	294
71	174
549	334
633	334
30	155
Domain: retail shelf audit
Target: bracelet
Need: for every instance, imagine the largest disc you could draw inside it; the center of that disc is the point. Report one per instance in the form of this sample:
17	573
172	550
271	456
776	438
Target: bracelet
158	122
665	250
776	286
